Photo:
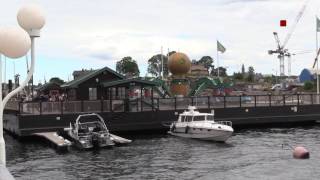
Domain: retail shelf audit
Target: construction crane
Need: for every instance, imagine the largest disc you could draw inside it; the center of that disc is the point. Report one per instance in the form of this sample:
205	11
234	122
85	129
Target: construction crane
289	55
281	50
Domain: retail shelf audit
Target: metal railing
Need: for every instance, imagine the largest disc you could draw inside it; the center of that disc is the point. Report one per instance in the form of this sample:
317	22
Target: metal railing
152	104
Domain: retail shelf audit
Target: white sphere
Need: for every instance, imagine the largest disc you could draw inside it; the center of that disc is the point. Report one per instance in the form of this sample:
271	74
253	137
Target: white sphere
31	17
15	42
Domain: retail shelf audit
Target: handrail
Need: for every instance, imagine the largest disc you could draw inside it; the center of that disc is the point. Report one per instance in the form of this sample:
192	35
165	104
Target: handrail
174	103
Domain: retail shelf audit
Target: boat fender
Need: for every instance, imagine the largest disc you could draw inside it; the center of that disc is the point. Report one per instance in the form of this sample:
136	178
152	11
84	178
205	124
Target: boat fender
300	152
187	129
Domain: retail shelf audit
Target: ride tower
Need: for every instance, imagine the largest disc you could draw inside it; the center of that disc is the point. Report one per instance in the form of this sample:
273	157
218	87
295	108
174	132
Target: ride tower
179	65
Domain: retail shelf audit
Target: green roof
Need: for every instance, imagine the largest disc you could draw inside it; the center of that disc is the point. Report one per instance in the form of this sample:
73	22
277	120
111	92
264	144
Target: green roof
129	82
76	82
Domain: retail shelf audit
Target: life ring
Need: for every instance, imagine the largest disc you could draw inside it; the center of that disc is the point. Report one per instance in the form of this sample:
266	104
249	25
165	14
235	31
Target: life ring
187	129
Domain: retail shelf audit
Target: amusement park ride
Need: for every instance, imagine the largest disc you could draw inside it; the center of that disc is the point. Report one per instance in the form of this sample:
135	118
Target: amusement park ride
180	84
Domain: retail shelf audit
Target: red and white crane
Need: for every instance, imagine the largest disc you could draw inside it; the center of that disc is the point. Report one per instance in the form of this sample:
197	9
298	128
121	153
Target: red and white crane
281	50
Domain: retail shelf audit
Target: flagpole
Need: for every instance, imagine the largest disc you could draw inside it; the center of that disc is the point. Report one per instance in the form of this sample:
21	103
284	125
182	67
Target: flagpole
218	60
317	46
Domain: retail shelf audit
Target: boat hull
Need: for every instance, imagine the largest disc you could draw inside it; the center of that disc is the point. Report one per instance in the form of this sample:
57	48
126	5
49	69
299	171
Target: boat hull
204	134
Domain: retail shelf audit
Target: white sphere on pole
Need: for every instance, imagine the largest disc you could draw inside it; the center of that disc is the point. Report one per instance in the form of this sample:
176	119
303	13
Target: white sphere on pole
31	17
15	42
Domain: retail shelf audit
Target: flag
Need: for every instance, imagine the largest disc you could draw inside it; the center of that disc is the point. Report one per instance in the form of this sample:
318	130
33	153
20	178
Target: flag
318	24
283	23
220	47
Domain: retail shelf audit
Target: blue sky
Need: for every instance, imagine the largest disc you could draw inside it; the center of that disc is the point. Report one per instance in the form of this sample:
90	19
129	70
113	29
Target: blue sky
96	33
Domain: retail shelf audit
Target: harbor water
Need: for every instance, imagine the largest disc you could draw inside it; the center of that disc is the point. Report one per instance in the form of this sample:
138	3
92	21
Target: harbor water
248	154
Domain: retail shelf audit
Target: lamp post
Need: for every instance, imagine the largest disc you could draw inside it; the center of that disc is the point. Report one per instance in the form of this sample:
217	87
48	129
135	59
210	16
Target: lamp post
15	43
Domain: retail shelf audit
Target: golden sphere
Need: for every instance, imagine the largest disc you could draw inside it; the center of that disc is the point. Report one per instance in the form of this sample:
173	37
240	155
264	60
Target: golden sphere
179	64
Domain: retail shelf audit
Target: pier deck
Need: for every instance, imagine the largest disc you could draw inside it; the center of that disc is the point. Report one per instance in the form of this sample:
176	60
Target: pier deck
151	114
57	141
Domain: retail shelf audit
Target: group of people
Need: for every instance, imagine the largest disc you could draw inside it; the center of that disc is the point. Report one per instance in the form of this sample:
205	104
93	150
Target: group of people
45	98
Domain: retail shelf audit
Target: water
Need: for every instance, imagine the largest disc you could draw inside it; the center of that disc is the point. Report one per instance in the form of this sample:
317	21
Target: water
249	154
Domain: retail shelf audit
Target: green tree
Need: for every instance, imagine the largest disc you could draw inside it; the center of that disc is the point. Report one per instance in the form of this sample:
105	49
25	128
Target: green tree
238	76
243	70
222	72
170	53
206	61
251	74
308	85
155	65
56	80
128	67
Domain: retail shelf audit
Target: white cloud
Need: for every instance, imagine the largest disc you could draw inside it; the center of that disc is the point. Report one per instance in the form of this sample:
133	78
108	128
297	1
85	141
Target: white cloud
105	31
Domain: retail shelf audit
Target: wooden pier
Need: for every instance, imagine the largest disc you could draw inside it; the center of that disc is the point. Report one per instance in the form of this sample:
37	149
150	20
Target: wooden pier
150	114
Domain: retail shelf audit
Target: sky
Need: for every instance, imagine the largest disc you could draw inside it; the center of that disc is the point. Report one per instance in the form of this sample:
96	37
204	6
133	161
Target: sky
85	34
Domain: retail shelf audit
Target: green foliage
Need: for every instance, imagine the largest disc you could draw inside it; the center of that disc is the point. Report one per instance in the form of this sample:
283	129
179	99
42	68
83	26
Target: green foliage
56	80
155	65
238	76
206	61
251	74
222	72
308	85
128	67
170	53
243	70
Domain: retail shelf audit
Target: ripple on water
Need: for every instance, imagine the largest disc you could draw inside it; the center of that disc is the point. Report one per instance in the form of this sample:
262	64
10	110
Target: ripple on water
250	154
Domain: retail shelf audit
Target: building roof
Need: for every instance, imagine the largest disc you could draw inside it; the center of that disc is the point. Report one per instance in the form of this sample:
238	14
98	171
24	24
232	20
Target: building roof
129	82
74	83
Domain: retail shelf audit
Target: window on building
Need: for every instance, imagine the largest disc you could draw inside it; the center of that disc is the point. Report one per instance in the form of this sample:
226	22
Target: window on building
92	93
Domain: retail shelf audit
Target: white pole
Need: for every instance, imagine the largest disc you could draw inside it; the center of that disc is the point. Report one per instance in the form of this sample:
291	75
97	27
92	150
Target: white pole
29	75
2	142
317	73
5	100
161	63
5	74
218	62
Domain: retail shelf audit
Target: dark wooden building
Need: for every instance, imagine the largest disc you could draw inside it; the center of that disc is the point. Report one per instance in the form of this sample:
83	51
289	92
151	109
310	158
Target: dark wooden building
50	89
88	87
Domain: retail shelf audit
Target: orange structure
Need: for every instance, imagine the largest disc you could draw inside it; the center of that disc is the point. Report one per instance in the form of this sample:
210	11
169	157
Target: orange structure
179	65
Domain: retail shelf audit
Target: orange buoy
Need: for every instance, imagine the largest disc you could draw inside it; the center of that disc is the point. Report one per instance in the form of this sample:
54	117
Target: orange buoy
300	152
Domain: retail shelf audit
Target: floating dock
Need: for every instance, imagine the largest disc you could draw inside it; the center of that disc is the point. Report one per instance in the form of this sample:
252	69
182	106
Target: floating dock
58	142
119	140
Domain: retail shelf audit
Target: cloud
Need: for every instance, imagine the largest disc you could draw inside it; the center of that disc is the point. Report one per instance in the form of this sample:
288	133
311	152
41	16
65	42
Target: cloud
103	32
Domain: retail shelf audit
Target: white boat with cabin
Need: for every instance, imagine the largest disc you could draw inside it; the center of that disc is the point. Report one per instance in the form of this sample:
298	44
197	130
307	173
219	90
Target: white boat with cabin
197	125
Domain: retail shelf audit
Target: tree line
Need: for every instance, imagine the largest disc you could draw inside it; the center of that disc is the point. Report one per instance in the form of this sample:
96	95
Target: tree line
157	66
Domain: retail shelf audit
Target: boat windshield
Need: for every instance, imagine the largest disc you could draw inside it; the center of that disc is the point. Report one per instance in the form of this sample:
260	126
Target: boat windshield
210	118
198	118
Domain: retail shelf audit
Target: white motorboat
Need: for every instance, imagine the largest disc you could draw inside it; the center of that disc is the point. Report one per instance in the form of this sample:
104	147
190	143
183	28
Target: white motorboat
193	124
88	131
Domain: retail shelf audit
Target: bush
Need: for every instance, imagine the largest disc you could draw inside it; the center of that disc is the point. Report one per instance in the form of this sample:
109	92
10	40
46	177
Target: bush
308	86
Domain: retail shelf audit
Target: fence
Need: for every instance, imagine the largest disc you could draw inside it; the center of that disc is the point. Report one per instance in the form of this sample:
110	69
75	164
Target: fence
151	104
